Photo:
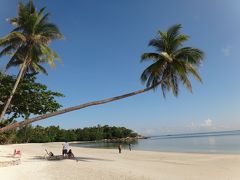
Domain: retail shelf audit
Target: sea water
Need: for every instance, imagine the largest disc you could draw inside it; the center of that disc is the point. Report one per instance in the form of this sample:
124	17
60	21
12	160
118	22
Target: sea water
207	142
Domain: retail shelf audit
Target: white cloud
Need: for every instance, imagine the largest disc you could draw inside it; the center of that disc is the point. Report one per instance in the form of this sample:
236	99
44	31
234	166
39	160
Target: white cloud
155	131
192	124
226	50
207	123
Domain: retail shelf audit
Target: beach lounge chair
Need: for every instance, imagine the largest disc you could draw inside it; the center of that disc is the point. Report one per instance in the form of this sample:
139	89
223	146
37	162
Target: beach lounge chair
51	156
17	153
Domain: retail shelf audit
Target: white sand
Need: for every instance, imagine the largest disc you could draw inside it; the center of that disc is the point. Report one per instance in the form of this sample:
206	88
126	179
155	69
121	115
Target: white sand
104	164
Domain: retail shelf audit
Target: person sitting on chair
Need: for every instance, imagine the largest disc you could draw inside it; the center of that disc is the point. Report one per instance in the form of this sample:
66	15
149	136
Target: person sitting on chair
70	154
50	154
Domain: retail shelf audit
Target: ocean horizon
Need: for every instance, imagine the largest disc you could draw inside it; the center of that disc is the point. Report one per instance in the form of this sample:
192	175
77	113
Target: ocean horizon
226	142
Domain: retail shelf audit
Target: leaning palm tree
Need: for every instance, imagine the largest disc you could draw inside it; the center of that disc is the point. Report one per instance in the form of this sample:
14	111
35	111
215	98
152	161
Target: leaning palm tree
172	64
27	44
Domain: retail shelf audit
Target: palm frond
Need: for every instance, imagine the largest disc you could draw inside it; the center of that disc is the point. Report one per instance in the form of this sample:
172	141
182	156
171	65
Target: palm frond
193	71
189	54
12	36
150	56
152	74
158	44
49	30
48	55
6	51
35	68
186	82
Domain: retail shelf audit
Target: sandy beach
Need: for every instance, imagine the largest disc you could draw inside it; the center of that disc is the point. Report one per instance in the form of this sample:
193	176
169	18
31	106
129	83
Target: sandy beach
107	164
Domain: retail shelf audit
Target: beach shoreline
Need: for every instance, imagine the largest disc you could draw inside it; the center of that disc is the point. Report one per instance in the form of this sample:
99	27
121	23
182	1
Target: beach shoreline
109	164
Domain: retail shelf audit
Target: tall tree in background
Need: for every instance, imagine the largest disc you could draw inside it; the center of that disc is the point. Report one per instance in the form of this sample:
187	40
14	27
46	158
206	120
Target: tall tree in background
27	44
172	64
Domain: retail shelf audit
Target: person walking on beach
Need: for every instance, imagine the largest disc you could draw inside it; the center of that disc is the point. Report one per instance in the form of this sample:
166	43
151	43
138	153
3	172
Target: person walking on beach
119	148
130	147
65	149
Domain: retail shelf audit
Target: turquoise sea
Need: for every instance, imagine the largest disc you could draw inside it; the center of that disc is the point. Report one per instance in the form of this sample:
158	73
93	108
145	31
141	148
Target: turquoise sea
207	142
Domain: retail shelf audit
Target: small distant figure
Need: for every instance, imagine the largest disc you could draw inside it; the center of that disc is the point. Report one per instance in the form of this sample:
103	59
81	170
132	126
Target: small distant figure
130	147
65	149
120	148
17	153
70	154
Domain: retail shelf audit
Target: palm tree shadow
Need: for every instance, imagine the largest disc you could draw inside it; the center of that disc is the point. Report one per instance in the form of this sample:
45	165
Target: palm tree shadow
77	158
7	156
88	159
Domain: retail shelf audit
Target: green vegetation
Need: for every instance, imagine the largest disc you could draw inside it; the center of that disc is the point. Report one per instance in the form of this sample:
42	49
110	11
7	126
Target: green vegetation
39	134
31	98
28	43
172	63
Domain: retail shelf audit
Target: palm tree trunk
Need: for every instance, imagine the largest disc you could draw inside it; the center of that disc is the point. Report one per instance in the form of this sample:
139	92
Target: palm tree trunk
20	74
73	108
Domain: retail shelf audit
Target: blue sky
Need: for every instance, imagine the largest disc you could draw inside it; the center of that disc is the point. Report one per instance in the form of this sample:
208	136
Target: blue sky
101	58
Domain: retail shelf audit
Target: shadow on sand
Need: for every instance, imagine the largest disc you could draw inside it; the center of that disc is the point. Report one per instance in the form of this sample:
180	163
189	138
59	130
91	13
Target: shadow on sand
78	158
7	156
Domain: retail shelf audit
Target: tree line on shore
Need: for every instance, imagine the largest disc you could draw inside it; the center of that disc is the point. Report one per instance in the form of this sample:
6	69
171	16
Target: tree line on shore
39	134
